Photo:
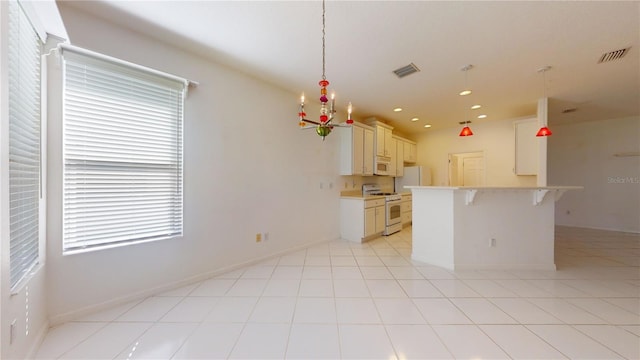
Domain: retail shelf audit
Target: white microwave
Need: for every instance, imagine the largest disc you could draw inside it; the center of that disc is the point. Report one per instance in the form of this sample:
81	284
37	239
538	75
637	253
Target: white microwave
382	165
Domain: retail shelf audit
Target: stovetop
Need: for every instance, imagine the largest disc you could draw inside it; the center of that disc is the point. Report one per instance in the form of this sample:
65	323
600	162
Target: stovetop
374	190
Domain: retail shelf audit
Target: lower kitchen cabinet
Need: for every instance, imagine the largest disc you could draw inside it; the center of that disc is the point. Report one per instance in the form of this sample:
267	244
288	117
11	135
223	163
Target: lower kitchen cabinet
379	222
406	209
361	219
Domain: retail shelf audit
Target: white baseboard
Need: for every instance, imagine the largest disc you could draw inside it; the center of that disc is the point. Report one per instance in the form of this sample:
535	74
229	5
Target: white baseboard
626	231
454	267
431	263
543	267
37	341
87	310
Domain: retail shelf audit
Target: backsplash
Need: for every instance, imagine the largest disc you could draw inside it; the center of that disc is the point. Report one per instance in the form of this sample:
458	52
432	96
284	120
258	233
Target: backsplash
354	183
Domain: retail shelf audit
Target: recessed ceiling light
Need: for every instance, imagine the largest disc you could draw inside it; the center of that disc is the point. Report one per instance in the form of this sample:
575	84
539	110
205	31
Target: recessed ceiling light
398	109
482	116
415	119
476	106
465	92
427	126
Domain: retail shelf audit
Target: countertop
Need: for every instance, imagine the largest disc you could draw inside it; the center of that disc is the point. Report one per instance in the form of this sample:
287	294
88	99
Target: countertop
358	195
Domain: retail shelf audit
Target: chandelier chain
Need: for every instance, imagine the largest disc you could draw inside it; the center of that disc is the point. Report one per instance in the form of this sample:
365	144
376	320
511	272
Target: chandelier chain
323	57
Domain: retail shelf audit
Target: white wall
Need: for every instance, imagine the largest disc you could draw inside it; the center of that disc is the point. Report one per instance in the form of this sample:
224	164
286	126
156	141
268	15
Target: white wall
494	138
584	154
248	169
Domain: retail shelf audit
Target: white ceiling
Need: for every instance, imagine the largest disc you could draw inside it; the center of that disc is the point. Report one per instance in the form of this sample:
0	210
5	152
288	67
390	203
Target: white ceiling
507	42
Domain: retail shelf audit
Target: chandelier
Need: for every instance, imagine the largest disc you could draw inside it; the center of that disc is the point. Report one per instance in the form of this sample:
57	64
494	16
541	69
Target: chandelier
325	124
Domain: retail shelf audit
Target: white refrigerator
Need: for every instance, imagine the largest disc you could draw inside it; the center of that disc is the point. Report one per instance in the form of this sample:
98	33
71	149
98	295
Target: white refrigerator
413	176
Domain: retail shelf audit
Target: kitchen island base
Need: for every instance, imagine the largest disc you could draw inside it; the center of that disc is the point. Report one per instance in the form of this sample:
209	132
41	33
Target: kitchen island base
460	228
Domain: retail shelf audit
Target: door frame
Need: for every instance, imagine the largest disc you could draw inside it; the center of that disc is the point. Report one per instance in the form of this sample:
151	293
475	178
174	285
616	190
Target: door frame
478	153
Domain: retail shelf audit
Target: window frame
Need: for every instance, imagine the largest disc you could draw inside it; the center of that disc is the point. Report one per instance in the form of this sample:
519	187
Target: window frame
123	68
32	258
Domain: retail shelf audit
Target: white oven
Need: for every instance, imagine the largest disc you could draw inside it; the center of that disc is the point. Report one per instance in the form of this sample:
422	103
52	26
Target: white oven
393	221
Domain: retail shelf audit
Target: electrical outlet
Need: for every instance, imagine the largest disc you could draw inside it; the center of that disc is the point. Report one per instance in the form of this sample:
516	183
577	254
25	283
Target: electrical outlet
265	236
492	242
258	237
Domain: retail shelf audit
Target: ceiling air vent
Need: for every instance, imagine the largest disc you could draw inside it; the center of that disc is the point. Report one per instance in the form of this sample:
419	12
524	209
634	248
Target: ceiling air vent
406	70
613	55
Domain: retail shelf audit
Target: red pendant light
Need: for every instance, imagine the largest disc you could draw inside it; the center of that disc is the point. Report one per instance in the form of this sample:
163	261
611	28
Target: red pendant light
544	130
466	131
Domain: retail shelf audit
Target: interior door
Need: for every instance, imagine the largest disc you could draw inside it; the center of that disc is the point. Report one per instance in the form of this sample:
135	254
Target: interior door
453	171
467	169
473	171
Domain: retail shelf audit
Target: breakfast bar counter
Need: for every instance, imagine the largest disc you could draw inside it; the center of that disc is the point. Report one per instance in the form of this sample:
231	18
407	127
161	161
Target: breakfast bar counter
485	227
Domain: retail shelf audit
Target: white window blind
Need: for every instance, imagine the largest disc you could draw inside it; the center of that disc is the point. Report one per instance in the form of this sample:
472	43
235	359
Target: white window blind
24	143
122	154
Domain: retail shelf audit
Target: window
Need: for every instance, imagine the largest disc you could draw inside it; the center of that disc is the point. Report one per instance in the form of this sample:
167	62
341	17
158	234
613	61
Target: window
122	137
24	144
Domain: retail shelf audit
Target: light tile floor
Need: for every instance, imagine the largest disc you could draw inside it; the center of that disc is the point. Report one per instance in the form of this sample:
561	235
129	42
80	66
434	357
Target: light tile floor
371	301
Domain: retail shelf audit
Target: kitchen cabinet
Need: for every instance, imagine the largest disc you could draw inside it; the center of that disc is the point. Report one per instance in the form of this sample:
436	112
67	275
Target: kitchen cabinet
410	152
406	209
361	219
374	222
380	219
526	147
369	222
399	159
356	150
393	164
383	137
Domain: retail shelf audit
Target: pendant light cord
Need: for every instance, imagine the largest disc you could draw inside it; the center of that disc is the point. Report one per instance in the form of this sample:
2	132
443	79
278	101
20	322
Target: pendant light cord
544	83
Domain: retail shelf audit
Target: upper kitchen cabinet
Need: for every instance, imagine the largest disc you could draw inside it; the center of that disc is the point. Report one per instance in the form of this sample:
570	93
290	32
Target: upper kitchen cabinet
393	164
356	150
410	152
399	156
526	147
383	135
